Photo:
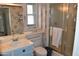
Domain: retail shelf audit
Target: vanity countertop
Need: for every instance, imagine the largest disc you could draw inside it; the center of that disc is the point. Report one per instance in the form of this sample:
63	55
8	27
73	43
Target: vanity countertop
9	46
6	43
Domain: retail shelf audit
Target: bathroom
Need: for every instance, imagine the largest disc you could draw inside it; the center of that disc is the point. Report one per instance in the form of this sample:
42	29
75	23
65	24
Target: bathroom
37	29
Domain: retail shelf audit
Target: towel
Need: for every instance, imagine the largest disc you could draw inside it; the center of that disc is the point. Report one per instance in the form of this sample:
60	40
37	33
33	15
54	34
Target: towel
57	36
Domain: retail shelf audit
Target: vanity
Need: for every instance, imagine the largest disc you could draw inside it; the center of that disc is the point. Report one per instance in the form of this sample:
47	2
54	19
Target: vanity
12	41
22	47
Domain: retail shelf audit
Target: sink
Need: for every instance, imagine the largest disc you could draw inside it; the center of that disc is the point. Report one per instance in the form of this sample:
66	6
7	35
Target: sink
20	42
8	44
11	45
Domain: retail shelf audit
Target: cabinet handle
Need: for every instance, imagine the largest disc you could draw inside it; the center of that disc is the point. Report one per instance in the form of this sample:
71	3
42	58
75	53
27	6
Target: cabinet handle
23	50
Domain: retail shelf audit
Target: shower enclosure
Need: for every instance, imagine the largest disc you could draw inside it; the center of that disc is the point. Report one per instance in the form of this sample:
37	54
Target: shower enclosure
63	16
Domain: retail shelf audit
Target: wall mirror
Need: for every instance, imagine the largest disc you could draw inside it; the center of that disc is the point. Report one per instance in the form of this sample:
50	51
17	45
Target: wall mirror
4	22
11	20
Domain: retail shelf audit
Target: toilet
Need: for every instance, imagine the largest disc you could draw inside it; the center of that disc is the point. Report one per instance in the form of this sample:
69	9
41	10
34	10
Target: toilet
38	48
40	51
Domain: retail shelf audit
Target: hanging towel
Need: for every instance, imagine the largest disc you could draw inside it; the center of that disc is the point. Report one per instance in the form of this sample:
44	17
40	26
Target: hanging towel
57	36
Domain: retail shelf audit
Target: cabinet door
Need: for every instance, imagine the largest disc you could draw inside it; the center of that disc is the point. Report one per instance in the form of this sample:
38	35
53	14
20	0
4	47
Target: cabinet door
24	51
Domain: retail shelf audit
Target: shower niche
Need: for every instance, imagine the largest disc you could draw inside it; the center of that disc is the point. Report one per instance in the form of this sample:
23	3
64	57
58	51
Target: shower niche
63	16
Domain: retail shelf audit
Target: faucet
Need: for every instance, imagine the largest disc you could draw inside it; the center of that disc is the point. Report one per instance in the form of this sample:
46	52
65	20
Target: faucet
15	39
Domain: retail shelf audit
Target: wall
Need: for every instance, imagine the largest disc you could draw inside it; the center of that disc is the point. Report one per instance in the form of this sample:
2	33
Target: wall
36	14
76	41
42	20
45	23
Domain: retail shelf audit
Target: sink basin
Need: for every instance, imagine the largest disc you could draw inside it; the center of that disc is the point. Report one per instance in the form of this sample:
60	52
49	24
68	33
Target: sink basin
7	42
16	43
20	42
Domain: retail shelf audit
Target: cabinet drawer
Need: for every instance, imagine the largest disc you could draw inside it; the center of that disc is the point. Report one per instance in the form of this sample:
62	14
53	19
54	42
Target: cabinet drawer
23	51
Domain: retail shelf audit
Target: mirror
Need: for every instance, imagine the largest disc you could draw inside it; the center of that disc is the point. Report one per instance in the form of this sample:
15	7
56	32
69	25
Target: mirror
4	22
11	20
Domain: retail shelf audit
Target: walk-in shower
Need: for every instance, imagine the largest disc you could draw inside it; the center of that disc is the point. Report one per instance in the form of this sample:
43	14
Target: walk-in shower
62	27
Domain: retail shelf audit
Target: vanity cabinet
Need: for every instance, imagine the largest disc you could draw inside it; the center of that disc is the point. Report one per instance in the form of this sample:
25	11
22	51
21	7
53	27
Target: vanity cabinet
23	51
22	47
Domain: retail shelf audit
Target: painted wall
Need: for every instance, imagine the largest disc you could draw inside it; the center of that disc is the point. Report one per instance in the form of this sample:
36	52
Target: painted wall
76	41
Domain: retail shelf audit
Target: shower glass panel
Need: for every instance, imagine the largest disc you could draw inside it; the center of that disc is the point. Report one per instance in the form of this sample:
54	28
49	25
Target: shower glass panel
62	27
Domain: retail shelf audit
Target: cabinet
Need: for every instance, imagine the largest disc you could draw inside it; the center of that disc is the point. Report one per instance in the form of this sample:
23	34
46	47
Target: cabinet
23	51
